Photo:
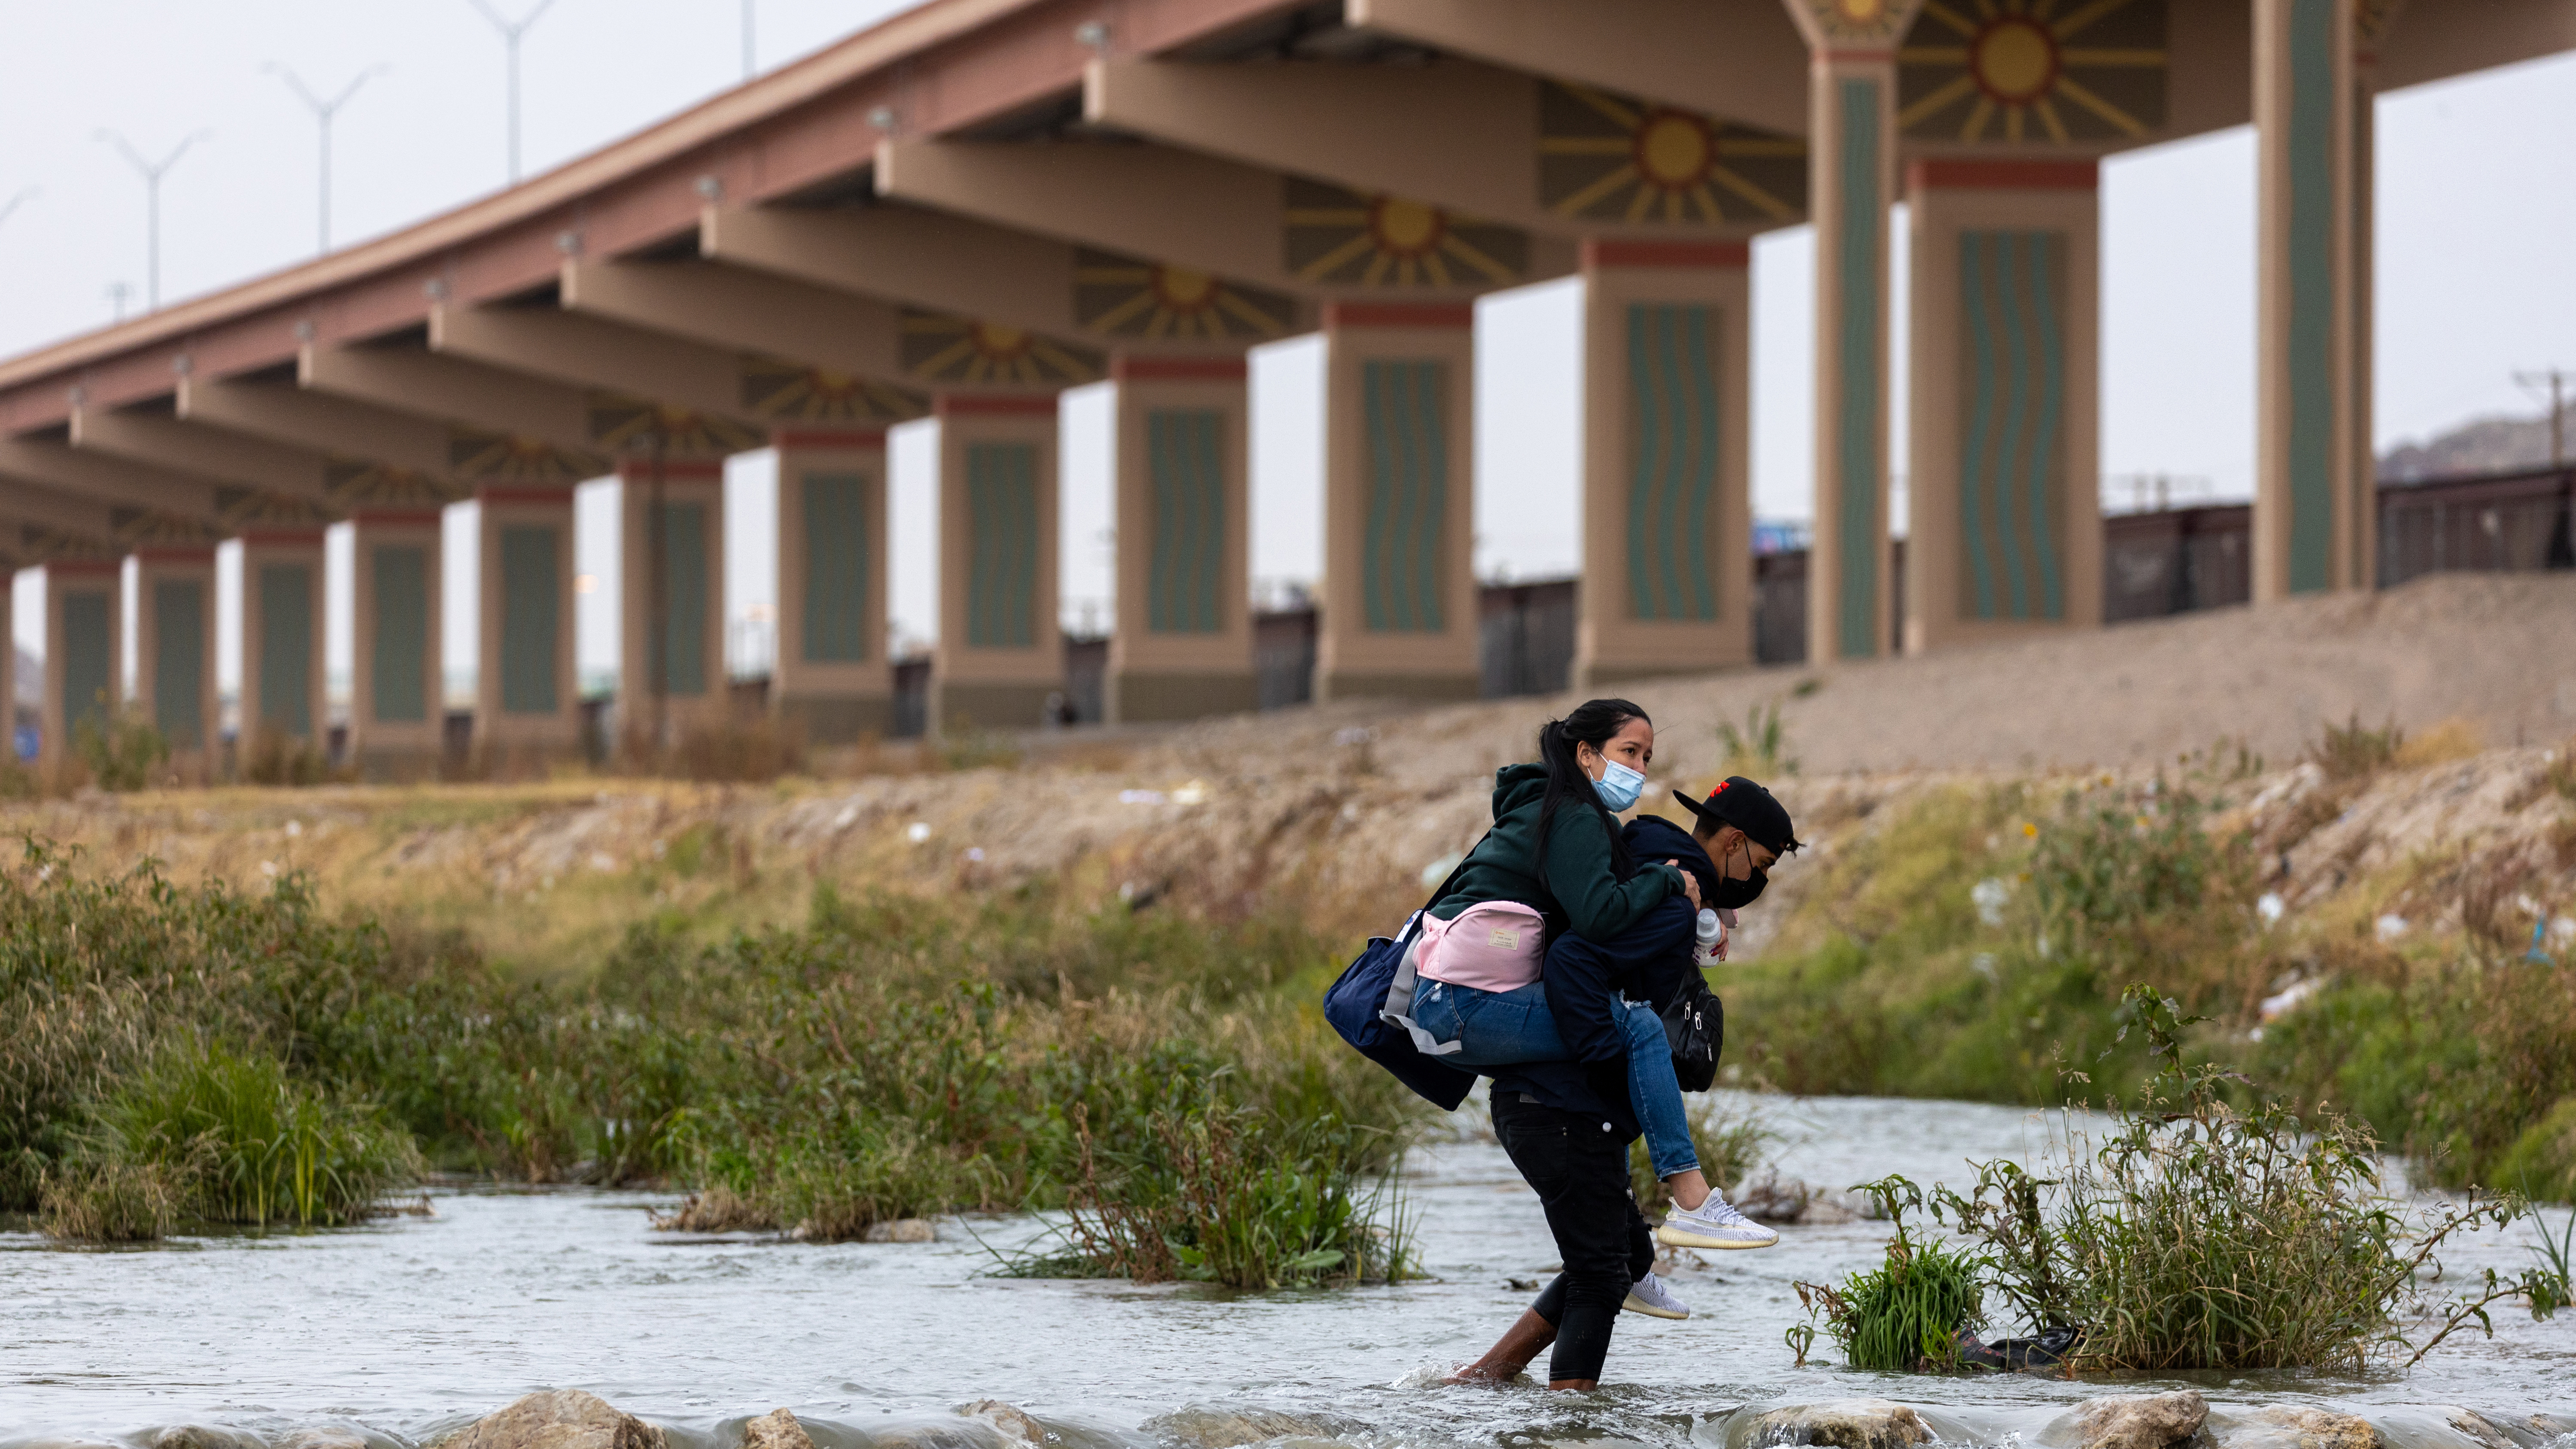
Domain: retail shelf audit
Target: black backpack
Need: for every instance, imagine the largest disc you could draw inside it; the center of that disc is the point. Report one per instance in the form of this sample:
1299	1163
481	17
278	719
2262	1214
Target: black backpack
1695	1025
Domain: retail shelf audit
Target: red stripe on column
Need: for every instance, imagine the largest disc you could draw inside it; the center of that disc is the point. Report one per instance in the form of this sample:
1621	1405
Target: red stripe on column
1178	369
641	469
2004	176
1399	314
523	493
820	438
969	404
1604	253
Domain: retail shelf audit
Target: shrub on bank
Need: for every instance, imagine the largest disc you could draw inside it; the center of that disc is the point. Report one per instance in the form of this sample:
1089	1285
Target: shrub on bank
2198	1234
170	1053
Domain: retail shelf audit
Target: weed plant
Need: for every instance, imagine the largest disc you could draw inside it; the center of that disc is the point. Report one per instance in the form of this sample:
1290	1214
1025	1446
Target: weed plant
173	1053
1906	1315
1759	750
242	1142
123	752
2200	1235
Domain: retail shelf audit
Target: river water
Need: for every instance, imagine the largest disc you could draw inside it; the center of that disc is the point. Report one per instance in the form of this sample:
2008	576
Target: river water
407	1329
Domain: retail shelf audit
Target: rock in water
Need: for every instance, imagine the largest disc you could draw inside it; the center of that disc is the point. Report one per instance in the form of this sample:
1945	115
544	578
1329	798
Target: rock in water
323	1439
776	1429
1014	1422
971	1434
1198	1428
1843	1424
2140	1421
900	1230
194	1436
2282	1426
2478	1427
558	1419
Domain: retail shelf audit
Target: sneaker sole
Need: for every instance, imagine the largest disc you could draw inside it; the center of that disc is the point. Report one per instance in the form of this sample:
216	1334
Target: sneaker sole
1639	1305
1675	1238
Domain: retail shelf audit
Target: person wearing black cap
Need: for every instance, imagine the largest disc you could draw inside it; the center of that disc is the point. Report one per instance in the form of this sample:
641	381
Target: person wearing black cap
1745	830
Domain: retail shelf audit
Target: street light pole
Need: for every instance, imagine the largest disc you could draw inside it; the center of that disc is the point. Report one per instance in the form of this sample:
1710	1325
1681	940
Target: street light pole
510	34
323	111
151	205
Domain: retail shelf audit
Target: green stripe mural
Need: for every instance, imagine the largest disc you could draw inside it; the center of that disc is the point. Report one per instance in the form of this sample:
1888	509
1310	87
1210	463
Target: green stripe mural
1856	431
1185	453
1405	416
531	618
89	655
179	661
1002	539
1672	461
683	644
397	687
286	648
2012	418
2310	363
836	568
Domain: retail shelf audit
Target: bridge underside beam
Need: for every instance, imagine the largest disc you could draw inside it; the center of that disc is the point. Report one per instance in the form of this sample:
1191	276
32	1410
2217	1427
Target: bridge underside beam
1496	144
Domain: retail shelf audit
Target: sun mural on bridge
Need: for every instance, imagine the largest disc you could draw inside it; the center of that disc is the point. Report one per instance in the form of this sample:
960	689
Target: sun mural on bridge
1119	296
939	347
479	456
792	392
628	424
1603	157
354	481
2033	72
1359	239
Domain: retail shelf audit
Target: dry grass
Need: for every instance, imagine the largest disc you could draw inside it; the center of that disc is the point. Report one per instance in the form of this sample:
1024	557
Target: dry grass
2453	739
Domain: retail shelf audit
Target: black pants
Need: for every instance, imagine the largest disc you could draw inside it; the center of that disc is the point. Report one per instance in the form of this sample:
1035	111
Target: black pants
1581	1175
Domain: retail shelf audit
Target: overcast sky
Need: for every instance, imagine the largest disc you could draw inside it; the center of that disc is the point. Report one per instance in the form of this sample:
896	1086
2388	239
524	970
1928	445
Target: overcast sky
2474	281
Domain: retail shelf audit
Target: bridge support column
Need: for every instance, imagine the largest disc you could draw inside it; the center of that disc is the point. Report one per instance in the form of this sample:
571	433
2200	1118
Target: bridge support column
1851	179
1399	607
1667	501
282	666
174	648
527	699
1182	645
84	619
2004	466
831	677
398	687
680	654
999	654
2313	495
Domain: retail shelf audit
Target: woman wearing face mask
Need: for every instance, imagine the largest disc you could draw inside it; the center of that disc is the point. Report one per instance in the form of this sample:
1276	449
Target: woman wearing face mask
1554	864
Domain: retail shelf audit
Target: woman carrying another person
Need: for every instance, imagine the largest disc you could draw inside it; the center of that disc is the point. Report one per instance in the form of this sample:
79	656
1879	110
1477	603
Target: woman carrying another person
1578	1067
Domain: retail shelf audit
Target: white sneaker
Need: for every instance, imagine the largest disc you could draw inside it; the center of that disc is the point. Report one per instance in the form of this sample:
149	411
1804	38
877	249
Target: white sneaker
1650	1297
1714	1224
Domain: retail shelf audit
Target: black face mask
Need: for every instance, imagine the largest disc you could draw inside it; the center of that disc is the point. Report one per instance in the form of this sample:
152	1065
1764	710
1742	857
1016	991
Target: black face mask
1732	894
1735	895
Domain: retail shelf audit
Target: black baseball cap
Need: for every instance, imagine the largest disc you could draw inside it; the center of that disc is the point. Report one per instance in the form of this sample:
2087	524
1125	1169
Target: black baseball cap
1748	807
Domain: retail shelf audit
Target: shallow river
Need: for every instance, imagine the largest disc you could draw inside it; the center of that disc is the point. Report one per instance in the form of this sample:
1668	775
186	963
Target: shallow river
408	1329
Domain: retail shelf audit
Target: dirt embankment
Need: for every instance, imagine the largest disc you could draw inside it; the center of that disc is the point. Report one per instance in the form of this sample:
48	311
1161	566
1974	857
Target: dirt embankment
1342	810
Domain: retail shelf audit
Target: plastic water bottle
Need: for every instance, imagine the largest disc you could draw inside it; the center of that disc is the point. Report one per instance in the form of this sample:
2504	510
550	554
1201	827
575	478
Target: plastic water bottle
1711	946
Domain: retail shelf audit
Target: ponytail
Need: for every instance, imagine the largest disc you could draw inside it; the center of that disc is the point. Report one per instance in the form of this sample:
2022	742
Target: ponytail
1591	723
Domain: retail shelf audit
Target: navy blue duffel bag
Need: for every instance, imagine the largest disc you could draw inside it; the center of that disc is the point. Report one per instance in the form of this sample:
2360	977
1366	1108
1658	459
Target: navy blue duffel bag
1359	1006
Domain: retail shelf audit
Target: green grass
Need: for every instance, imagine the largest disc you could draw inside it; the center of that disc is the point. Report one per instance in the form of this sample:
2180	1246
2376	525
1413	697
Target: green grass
1905	1315
170	1054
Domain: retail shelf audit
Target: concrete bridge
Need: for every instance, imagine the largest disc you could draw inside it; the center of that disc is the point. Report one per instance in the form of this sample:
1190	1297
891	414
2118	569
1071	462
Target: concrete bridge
969	208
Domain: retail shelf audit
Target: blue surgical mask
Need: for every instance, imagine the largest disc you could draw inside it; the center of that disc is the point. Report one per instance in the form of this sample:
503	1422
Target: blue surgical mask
1618	786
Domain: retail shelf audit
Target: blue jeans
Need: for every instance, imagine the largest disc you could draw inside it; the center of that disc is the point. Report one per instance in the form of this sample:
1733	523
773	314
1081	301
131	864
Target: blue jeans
1501	1028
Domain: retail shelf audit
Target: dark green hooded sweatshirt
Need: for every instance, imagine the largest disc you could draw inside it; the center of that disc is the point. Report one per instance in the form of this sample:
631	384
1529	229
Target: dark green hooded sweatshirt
1575	888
